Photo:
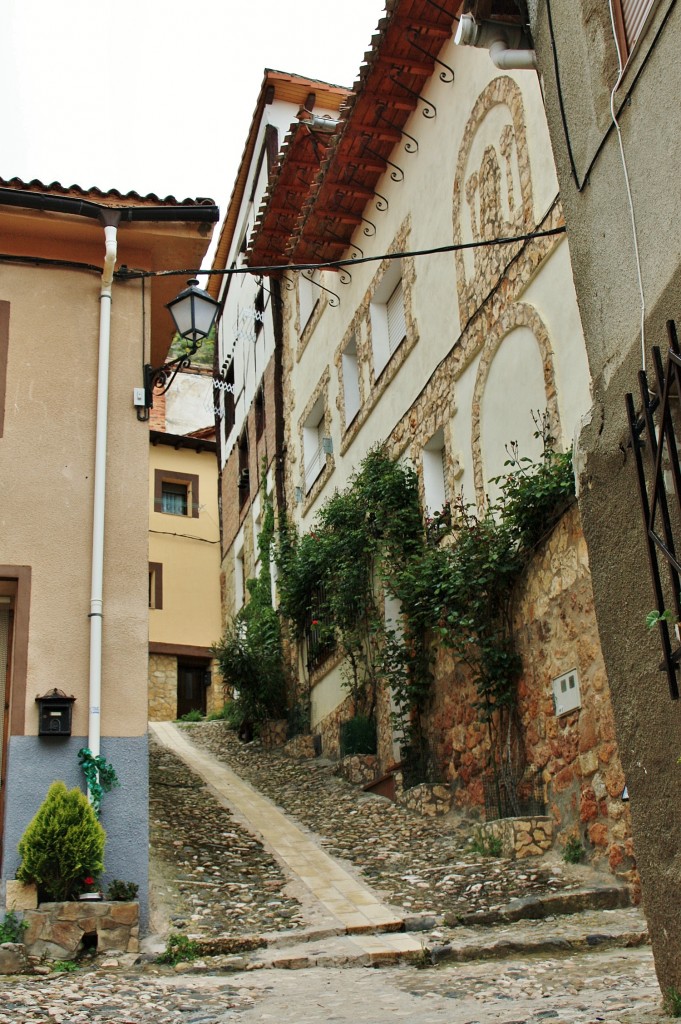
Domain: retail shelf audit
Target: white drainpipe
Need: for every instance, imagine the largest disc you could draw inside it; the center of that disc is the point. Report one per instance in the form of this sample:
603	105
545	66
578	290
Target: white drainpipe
96	590
498	39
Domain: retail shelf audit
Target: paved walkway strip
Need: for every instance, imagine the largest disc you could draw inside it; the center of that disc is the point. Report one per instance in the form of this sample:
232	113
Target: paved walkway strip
350	902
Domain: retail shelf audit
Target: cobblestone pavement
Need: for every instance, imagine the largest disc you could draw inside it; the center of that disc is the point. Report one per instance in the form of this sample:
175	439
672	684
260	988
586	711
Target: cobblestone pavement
214	874
420	864
607	987
211	875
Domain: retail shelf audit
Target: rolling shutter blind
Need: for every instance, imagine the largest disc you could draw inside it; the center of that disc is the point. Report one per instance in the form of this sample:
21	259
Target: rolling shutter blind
397	327
4	655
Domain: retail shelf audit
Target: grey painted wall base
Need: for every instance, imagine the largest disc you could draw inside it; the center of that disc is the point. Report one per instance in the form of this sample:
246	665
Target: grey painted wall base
34	762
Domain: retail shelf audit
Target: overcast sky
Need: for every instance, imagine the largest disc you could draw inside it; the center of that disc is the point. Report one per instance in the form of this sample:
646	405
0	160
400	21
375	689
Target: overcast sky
143	95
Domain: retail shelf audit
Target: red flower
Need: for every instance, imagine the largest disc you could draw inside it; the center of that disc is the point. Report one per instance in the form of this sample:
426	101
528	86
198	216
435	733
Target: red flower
89	881
315	622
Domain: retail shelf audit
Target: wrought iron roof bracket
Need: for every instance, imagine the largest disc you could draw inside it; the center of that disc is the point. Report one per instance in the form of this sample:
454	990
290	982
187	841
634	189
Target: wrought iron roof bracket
311	279
338	206
397	174
382	204
429	109
411	146
447	75
439	7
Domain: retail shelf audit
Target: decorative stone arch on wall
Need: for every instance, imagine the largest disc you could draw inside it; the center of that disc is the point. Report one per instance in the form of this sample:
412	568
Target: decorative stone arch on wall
518	315
478	210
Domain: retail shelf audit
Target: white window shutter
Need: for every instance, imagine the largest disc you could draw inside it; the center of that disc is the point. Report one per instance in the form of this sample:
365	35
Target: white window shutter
397	326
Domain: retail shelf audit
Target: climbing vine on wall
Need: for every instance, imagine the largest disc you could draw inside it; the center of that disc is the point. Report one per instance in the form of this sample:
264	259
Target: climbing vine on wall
454	584
250	654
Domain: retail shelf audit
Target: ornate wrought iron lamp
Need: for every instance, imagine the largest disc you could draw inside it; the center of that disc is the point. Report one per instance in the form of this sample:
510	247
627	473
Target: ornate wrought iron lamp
193	312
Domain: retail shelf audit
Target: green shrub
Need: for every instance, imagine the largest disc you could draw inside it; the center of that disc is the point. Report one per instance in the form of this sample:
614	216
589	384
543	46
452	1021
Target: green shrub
123	892
191	716
12	928
358	736
672	1002
62	846
179	949
573	851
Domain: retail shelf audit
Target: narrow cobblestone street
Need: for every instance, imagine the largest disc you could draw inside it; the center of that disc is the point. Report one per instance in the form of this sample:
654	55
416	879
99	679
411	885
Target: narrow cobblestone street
218	878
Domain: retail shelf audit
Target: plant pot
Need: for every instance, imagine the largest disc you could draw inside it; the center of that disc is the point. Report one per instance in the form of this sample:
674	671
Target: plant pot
90	897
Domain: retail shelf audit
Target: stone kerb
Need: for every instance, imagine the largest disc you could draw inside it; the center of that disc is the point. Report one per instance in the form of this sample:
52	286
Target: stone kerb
273	733
520	837
359	769
58	930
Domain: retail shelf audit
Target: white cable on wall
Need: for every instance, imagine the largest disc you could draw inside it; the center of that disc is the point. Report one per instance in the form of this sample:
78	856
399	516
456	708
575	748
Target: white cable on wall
626	179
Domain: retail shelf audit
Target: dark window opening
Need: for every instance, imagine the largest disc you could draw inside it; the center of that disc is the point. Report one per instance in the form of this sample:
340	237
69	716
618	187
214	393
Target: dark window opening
259	310
319	631
230	405
259	413
244	482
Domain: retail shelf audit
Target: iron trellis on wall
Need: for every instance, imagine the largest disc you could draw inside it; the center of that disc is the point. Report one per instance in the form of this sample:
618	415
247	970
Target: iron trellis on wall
655	430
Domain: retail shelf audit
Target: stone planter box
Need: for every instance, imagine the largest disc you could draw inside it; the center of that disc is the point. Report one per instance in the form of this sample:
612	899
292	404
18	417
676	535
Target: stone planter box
59	931
273	733
360	769
428	799
520	837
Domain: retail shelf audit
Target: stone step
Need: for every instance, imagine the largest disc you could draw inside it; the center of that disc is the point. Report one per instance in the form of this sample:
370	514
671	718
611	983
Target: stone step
576	901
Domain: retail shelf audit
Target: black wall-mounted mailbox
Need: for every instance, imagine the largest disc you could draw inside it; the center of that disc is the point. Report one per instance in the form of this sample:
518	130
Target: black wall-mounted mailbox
54	713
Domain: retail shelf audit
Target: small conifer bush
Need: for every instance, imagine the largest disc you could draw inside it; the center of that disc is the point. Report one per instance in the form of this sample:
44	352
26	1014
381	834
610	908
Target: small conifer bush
63	845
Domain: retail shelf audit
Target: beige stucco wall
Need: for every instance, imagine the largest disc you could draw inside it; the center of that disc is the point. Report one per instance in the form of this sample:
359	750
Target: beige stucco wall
47	449
189	549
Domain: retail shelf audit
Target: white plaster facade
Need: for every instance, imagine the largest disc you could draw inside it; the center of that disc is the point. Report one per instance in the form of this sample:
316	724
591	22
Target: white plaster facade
490	336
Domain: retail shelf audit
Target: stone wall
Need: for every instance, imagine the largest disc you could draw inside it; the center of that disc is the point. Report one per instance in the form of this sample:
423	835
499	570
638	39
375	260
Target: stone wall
57	930
162	688
427	799
576	753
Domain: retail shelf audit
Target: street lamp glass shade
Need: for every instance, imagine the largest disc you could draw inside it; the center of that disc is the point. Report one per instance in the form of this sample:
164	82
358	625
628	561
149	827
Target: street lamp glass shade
193	311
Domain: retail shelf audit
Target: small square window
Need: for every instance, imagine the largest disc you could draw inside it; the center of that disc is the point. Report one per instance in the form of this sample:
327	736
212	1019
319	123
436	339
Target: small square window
176	494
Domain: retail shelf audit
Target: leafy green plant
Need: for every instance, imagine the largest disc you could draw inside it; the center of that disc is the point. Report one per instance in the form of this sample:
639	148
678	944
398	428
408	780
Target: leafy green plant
573	851
358	736
192	716
454	581
12	928
179	949
64	966
63	844
123	892
654	617
486	845
250	653
672	1002
99	774
227	713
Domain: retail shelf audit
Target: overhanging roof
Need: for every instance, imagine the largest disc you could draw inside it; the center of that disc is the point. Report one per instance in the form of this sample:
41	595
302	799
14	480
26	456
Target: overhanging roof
55	222
275	85
401	59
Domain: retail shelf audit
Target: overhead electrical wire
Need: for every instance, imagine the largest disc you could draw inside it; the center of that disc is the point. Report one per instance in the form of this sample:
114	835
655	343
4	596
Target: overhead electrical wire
125	274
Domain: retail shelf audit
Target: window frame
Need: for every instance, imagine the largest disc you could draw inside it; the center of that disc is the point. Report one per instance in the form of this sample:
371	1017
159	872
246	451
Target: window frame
4	356
190	480
384	342
635	9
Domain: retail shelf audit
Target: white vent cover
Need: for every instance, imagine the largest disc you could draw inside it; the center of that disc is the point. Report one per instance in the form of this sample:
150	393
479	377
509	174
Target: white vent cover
566	695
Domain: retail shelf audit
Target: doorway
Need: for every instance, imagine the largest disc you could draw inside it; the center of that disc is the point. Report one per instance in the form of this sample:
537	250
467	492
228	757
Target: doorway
192	676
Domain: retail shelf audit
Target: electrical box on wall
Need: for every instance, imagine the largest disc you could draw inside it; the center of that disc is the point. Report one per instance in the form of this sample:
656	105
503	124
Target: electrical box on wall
566	695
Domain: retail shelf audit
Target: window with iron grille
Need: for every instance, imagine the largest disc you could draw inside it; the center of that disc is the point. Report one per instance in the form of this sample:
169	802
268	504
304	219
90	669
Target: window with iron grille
319	634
